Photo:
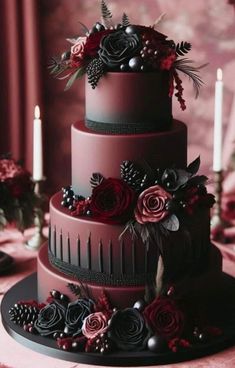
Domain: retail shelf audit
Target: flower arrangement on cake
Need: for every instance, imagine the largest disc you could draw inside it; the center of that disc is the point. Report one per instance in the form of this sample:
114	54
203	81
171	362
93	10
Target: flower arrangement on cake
161	324
150	201
125	47
17	197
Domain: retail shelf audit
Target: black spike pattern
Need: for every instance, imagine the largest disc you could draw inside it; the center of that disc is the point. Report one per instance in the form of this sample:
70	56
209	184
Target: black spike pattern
61	246
78	251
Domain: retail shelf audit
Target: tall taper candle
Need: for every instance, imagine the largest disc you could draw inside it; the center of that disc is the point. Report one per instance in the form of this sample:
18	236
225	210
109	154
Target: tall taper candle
37	146
217	156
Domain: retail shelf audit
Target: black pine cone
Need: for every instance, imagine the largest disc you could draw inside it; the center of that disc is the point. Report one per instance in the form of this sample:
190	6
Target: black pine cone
182	48
95	70
133	176
22	314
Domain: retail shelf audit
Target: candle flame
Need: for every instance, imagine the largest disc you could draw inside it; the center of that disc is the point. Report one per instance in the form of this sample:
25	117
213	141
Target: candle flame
37	112
219	74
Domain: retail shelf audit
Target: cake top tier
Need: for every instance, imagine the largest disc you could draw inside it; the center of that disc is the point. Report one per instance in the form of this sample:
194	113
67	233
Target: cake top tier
125	47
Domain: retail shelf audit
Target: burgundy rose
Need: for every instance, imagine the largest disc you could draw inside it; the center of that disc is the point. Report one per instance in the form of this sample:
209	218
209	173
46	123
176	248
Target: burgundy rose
111	200
77	50
151	205
94	325
19	185
164	318
81	207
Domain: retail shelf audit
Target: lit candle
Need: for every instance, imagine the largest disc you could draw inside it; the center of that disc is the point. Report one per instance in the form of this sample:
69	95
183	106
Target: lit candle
37	146
217	156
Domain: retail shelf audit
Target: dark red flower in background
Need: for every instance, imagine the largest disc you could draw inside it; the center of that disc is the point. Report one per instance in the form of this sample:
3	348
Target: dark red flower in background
165	318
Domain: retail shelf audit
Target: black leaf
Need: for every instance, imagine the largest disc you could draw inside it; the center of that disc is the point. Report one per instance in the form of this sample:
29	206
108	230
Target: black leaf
96	179
182	48
171	223
193	167
197	180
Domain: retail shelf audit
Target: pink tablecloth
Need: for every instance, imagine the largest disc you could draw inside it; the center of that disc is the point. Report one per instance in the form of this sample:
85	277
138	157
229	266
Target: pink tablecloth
14	355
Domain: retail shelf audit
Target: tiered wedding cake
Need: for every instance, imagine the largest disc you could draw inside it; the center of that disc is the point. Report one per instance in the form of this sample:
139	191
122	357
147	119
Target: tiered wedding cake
129	239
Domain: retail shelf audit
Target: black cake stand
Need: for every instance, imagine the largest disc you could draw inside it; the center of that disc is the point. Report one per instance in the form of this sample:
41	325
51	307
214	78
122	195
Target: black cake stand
27	290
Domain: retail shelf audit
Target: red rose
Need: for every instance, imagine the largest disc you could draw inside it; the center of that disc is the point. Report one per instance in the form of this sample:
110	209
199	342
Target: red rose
94	325
151	205
93	43
198	197
111	200
164	318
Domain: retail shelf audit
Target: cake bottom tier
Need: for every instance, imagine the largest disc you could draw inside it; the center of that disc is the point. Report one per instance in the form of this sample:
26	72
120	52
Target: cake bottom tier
199	288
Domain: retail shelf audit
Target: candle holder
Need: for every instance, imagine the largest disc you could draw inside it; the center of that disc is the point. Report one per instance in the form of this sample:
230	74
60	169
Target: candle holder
217	221
35	242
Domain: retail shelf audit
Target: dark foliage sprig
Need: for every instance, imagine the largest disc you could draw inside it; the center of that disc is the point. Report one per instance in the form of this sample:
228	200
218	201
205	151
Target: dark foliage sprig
125	20
182	48
106	14
185	66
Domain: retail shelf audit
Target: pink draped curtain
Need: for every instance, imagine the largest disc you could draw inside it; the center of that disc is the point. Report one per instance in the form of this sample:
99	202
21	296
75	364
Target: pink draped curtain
19	75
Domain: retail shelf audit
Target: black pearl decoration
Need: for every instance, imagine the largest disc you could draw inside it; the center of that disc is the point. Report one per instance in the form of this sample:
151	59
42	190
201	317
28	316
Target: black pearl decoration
157	344
55	294
140	305
135	63
68	198
124	67
130	29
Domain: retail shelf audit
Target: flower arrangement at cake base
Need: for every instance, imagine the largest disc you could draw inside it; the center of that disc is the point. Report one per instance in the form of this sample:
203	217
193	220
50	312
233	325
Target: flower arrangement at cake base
161	324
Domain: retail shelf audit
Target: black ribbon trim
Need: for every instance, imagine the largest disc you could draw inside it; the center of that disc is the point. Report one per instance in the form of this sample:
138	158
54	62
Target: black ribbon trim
127	128
100	278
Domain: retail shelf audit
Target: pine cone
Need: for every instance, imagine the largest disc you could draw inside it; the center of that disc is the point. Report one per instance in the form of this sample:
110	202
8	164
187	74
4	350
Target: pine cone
22	314
95	70
133	176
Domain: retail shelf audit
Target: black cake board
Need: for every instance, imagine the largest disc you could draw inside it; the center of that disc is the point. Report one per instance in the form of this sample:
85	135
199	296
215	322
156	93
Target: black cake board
27	290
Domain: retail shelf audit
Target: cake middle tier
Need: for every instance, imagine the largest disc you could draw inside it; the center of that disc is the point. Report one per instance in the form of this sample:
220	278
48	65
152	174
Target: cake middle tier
103	153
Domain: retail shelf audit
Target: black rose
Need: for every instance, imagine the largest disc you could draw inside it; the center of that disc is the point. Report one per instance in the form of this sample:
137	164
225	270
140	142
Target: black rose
118	47
76	312
51	319
128	330
172	179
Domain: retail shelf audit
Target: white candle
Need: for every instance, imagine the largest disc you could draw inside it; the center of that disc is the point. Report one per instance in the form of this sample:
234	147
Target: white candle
217	156
37	146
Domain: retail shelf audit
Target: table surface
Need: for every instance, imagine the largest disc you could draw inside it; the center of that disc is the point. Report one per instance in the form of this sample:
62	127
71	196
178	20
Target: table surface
14	355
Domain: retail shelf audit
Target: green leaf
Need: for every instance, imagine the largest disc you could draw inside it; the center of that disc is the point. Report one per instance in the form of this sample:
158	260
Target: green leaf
72	79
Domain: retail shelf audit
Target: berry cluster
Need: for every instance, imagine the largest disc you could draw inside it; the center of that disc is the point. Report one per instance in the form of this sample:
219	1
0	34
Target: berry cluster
69	198
101	344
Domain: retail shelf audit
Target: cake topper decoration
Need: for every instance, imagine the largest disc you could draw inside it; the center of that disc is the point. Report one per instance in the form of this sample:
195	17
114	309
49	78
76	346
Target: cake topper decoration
125	47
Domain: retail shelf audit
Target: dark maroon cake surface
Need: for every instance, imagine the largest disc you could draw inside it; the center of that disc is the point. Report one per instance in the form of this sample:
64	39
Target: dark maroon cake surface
103	153
129	103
